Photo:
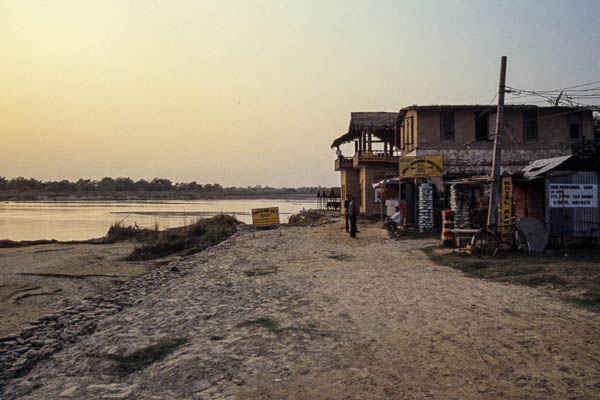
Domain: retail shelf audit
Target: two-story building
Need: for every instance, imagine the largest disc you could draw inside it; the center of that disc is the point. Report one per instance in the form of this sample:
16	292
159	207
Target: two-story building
374	159
464	135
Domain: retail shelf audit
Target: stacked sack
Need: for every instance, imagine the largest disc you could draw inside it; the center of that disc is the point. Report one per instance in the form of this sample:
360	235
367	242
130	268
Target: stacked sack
460	200
425	207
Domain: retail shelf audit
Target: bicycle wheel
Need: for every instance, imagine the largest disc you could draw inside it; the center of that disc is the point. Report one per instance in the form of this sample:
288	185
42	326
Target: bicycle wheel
484	244
520	241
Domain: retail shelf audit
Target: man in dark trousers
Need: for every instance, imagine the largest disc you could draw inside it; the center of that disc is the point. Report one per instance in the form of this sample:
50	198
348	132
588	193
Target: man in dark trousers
353	213
346	214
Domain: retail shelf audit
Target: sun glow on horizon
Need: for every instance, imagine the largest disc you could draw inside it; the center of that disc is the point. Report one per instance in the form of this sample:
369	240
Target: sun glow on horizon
246	93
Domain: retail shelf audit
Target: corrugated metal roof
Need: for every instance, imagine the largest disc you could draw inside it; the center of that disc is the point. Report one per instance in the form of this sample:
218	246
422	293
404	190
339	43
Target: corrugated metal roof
479	107
540	167
388	181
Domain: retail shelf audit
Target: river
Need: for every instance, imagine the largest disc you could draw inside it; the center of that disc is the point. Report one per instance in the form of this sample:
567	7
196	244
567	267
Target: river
80	220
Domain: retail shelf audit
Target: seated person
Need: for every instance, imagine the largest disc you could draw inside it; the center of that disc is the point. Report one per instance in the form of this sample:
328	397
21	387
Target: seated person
391	224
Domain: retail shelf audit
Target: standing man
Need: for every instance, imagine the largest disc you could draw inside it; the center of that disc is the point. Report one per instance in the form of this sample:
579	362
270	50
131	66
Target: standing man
353	212
346	213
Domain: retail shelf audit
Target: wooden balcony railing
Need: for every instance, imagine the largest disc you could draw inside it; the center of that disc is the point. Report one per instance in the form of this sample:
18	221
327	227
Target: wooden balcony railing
343	162
367	157
364	157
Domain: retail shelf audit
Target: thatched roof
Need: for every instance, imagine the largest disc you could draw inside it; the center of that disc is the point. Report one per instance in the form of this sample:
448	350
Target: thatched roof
380	124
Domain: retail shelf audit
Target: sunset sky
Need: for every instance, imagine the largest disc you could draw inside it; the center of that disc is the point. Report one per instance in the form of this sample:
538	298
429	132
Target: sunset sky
253	92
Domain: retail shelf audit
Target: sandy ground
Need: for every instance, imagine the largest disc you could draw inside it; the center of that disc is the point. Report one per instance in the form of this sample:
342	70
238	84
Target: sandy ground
38	280
370	318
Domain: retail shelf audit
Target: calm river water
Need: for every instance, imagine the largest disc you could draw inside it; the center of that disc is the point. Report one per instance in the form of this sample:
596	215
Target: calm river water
79	220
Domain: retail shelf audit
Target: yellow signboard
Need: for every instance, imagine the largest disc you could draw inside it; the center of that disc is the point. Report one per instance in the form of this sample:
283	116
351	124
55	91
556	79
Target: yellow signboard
506	206
421	167
265	216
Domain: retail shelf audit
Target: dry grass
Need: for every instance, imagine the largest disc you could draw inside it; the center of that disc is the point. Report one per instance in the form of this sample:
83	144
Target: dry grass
575	278
186	240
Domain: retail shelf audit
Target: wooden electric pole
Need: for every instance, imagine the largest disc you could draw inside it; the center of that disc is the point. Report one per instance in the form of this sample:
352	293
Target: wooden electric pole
497	160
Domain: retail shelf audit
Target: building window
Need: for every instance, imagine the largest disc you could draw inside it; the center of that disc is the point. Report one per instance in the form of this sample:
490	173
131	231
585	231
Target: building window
447	126
530	125
482	131
408	134
412	133
402	136
574	121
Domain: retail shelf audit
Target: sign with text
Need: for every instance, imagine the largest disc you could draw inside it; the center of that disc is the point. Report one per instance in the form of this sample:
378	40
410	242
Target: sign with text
265	216
370	156
421	167
506	206
567	195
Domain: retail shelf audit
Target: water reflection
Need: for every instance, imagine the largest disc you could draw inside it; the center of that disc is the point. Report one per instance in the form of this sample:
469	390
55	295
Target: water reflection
83	220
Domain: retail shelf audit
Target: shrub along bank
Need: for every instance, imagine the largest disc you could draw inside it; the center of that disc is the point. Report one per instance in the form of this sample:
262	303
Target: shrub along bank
185	240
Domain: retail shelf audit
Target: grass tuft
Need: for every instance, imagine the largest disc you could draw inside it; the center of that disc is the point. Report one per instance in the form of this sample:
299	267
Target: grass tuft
575	278
310	217
267	323
139	359
119	232
261	271
341	257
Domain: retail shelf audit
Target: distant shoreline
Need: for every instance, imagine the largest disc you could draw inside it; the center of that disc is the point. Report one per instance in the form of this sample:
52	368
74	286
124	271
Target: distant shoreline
145	196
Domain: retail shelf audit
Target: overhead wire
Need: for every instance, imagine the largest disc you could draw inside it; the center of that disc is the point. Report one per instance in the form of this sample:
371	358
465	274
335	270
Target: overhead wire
564	99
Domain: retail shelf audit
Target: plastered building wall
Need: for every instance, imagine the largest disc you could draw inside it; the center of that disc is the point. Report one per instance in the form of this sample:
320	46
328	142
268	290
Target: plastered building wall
350	184
368	176
466	156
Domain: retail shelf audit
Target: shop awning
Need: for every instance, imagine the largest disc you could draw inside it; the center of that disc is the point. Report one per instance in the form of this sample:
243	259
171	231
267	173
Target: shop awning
388	181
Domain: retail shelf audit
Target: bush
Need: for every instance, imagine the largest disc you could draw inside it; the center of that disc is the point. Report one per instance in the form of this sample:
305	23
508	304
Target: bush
118	233
187	240
307	218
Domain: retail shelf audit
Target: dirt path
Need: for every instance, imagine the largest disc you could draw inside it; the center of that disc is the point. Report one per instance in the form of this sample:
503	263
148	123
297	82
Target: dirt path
370	318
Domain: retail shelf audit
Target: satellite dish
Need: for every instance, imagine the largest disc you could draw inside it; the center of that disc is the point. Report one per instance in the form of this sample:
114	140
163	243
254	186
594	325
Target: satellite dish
535	232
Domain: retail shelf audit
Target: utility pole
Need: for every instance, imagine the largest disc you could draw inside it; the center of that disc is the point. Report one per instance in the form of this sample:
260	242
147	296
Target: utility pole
497	160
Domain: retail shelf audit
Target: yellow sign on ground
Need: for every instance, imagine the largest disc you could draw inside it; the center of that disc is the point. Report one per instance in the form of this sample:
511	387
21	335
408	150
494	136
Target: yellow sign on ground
421	167
265	216
506	206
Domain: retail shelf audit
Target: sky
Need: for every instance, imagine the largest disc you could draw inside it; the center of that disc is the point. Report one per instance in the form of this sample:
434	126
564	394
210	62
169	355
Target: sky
253	92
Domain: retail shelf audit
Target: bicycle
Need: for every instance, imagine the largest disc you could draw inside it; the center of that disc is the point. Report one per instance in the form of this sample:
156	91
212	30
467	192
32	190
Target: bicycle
486	241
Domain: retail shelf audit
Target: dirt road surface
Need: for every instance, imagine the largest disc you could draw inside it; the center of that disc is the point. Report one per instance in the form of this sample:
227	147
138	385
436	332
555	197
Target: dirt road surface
370	318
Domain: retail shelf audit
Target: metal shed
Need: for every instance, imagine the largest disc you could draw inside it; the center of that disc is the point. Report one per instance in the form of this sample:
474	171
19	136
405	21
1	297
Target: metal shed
571	192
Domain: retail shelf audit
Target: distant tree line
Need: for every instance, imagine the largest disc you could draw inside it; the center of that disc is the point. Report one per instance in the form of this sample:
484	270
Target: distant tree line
108	185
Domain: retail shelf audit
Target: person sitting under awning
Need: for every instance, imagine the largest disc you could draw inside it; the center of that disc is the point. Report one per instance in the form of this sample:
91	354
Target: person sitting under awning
391	224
